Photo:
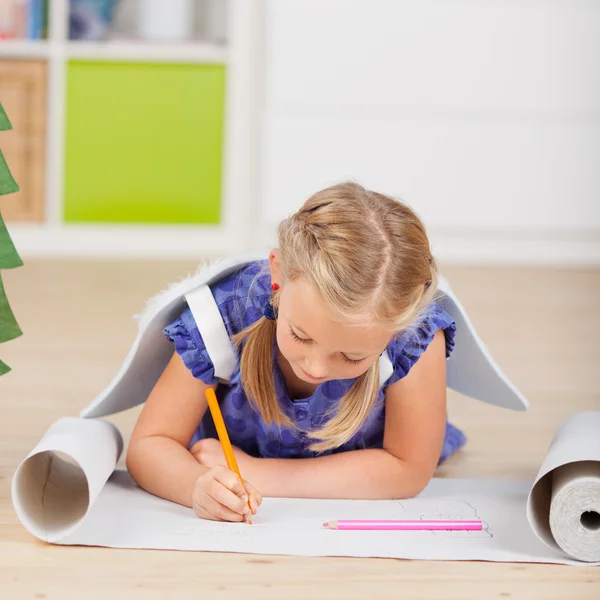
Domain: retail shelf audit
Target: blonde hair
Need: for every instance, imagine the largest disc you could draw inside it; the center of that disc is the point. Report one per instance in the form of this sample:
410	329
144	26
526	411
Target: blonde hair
369	256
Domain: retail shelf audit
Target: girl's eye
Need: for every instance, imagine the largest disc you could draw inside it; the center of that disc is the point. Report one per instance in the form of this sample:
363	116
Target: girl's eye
352	362
297	337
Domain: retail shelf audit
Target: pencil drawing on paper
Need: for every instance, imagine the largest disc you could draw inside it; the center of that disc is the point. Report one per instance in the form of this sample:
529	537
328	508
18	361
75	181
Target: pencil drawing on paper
430	510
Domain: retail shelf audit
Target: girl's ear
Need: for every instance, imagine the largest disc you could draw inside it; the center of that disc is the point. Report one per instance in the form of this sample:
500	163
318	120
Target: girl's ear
275	264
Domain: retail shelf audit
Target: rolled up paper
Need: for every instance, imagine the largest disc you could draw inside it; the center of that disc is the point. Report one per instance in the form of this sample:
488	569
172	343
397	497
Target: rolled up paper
55	486
563	506
575	509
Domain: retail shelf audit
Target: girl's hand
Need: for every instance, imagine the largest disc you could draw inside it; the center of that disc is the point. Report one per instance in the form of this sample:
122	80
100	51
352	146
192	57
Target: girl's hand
219	496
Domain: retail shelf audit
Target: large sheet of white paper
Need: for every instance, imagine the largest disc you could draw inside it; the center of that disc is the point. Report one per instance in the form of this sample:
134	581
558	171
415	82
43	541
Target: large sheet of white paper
124	516
67	491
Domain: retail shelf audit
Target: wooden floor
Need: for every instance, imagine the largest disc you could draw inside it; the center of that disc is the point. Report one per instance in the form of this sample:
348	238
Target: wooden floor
542	326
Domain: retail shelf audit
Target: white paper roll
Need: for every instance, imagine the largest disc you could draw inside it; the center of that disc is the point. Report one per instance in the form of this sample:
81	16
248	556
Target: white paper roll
575	509
55	486
563	507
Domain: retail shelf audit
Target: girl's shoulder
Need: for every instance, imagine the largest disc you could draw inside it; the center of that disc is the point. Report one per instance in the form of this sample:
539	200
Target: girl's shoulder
406	347
240	298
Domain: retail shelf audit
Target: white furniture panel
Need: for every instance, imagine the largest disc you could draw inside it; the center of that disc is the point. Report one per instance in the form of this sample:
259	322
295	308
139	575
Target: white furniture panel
482	55
460	175
483	115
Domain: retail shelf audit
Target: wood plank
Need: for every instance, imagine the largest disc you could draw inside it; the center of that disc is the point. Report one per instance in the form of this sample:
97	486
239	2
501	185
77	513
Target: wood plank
542	326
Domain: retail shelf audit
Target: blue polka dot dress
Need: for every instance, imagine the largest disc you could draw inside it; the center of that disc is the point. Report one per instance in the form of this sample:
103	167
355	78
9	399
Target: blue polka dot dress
241	298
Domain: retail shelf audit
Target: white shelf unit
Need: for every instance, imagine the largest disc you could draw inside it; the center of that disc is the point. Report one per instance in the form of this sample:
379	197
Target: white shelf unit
240	54
140	51
24	49
116	51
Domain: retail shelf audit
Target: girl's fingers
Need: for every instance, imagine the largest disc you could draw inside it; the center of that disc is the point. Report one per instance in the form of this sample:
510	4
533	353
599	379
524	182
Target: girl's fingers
253	504
230	480
227	498
216	511
255	496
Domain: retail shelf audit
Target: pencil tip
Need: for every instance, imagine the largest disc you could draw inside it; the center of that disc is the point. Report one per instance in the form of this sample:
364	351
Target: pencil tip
326	524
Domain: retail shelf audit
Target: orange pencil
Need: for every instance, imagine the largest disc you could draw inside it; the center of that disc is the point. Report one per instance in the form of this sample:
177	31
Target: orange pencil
215	411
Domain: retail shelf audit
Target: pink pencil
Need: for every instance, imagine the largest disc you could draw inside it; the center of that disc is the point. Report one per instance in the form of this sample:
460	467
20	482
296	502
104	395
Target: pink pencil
417	525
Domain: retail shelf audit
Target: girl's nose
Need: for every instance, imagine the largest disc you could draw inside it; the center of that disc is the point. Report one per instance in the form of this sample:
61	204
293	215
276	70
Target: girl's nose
316	368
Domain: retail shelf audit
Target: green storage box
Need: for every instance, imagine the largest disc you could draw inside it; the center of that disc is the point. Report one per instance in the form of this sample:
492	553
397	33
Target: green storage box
143	142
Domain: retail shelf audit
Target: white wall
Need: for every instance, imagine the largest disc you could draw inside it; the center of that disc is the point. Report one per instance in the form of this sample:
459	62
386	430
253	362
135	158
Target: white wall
484	115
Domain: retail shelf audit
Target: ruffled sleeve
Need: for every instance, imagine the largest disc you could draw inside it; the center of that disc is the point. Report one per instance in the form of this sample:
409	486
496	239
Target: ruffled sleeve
240	298
184	333
405	349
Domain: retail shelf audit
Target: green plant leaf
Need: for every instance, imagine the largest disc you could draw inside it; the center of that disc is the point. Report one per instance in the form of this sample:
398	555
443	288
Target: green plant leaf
9	328
9	258
5	124
7	184
3	368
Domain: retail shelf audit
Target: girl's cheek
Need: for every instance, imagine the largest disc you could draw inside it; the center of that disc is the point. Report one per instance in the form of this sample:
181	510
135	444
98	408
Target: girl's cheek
352	371
287	346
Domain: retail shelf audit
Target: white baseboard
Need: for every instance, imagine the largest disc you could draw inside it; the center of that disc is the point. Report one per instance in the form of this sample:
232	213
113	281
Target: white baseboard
477	248
571	253
156	242
127	241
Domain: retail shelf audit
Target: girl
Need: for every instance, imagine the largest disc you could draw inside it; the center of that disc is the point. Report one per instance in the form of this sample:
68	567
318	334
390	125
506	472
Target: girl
353	276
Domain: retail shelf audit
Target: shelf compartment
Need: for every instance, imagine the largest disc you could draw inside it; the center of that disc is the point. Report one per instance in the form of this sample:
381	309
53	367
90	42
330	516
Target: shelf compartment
23	94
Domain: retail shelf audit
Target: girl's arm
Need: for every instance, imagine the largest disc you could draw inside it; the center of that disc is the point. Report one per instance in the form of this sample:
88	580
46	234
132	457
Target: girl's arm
414	432
158	458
